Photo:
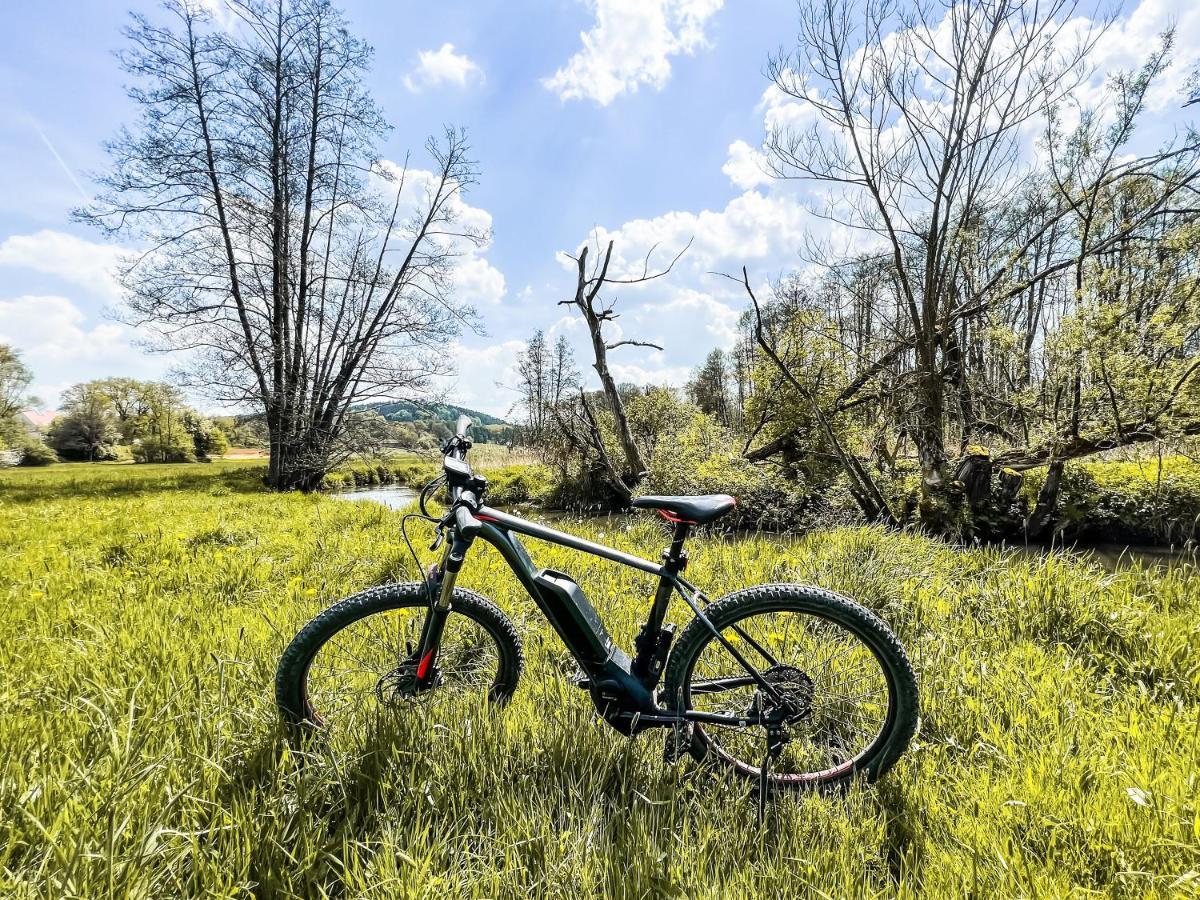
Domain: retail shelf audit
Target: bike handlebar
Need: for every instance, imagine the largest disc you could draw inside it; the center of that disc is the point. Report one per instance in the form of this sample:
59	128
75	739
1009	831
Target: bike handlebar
464	520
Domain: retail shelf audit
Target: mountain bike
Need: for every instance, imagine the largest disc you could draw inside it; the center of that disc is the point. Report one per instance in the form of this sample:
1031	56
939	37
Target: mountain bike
793	686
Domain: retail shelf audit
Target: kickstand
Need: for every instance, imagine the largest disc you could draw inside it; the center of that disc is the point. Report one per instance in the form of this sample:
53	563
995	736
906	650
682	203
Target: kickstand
764	786
775	742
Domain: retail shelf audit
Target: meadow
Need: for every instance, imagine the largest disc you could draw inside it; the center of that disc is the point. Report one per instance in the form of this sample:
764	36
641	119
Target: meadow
144	609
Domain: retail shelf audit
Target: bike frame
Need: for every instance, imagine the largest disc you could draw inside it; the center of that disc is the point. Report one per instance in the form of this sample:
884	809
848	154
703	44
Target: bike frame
622	688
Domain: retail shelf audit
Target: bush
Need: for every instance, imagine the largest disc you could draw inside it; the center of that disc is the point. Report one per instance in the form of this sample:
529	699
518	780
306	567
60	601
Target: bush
519	484
703	459
1127	502
35	453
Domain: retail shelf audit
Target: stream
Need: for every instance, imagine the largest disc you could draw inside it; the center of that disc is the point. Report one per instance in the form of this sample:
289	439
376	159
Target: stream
1110	556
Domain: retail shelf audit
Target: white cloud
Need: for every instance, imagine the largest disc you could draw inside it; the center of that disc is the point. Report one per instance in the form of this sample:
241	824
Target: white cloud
55	337
221	12
1130	40
754	227
746	167
443	66
631	44
90	265
650	375
784	112
476	280
691	310
718	318
486	376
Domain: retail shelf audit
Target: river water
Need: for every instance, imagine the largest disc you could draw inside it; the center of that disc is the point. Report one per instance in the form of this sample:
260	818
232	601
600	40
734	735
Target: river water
1110	556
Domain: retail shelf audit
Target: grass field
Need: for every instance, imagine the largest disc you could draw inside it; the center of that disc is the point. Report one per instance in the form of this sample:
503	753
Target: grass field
143	610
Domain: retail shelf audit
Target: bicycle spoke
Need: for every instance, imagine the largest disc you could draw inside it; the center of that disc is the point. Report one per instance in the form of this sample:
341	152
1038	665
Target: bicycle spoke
839	694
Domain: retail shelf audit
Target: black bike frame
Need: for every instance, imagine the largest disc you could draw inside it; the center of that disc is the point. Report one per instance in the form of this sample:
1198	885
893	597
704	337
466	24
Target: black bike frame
622	687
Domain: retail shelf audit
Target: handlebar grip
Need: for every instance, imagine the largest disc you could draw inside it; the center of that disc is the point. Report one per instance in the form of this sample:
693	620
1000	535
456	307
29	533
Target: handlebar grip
468	526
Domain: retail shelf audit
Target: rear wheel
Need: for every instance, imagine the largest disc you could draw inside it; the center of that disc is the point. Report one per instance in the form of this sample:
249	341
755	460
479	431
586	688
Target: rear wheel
357	659
847	695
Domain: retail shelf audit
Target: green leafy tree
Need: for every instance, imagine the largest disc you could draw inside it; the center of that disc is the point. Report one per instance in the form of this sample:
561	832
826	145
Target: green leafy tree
15	377
87	428
709	388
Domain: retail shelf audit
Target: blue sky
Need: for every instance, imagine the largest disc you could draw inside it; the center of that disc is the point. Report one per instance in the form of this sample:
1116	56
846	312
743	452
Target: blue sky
633	117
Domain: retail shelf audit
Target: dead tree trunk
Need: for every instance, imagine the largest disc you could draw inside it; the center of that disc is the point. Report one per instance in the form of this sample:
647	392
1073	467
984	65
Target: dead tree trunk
589	302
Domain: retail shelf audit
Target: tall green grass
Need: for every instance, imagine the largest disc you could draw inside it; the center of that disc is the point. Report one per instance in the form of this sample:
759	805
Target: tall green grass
143	611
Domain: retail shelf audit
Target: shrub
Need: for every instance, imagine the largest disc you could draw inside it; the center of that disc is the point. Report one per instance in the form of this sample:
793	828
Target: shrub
703	459
519	484
35	453
1128	502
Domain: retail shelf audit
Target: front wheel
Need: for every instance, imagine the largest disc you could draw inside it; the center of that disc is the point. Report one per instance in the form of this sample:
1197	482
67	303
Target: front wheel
847	695
357	659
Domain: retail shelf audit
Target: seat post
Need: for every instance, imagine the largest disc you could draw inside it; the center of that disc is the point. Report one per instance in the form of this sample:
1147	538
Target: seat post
674	557
651	643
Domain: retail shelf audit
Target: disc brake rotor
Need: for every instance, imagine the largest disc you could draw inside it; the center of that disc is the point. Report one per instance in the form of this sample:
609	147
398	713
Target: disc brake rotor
400	684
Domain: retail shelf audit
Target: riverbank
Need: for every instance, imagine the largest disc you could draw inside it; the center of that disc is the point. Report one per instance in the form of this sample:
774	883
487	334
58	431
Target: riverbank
1149	503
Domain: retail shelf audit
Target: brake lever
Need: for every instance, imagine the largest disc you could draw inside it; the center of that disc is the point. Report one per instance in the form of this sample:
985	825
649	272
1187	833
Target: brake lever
439	536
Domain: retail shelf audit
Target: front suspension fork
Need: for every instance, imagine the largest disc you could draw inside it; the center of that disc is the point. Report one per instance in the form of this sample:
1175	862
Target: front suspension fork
441	579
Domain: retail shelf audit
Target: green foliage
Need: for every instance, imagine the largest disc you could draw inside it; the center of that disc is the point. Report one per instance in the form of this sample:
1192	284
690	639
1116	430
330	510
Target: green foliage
172	446
703	458
244	431
208	440
512	478
1057	754
1128	502
519	484
35	454
15	377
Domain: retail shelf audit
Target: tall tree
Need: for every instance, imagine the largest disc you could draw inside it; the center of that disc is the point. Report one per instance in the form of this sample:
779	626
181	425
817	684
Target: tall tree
920	111
533	372
87	428
709	387
301	274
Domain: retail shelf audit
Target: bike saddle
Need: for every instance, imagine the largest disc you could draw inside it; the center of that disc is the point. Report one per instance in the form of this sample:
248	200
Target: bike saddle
690	510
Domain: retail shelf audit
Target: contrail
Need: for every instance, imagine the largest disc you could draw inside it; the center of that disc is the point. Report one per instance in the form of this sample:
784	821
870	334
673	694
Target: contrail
61	162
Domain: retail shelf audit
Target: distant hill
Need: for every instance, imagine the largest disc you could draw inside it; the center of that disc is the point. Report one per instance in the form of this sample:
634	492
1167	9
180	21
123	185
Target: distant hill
407	411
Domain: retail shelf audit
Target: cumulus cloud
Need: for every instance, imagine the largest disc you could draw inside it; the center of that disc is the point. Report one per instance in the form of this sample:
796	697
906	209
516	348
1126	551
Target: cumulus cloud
691	311
487	375
443	66
75	260
477	281
631	44
746	167
55	337
221	12
754	227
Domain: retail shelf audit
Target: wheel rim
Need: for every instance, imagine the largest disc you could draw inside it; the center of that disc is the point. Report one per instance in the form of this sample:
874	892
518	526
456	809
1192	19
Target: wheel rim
838	695
366	667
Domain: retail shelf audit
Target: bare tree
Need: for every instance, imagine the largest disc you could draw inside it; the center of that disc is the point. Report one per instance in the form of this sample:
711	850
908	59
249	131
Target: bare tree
533	387
597	310
301	275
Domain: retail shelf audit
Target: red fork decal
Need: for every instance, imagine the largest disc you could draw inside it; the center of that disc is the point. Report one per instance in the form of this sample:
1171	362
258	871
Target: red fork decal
423	667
